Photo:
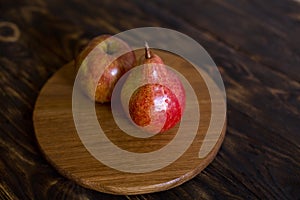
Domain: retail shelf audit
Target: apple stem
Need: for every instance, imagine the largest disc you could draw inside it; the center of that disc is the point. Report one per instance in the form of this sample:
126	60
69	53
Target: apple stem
109	51
147	51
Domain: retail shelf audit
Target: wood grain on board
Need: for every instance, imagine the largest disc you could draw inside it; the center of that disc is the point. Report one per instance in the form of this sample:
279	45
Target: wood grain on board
60	143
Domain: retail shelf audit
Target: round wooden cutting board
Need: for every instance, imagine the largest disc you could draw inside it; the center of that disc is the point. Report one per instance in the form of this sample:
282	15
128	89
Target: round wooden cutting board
58	139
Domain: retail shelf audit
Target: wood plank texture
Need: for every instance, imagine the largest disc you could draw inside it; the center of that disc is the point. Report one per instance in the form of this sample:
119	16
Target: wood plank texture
254	43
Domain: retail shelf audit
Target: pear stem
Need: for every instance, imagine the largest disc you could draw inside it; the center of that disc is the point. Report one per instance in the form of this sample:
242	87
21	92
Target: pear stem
147	51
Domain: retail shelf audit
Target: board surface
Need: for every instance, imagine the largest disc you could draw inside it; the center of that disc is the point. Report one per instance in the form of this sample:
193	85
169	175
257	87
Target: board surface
59	141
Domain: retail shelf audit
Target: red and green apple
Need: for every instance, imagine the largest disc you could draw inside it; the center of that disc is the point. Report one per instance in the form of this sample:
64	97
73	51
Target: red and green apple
101	66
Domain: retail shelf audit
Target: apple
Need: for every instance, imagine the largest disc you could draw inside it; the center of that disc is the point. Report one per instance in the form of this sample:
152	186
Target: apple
158	99
101	65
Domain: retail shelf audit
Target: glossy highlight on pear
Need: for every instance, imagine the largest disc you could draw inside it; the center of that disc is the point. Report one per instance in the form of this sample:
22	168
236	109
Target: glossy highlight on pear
154	105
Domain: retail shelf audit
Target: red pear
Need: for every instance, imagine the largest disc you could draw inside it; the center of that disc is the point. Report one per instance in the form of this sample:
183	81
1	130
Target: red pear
158	100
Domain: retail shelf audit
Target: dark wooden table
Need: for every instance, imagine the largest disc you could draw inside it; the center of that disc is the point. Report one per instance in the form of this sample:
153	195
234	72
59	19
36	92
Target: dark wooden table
255	44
